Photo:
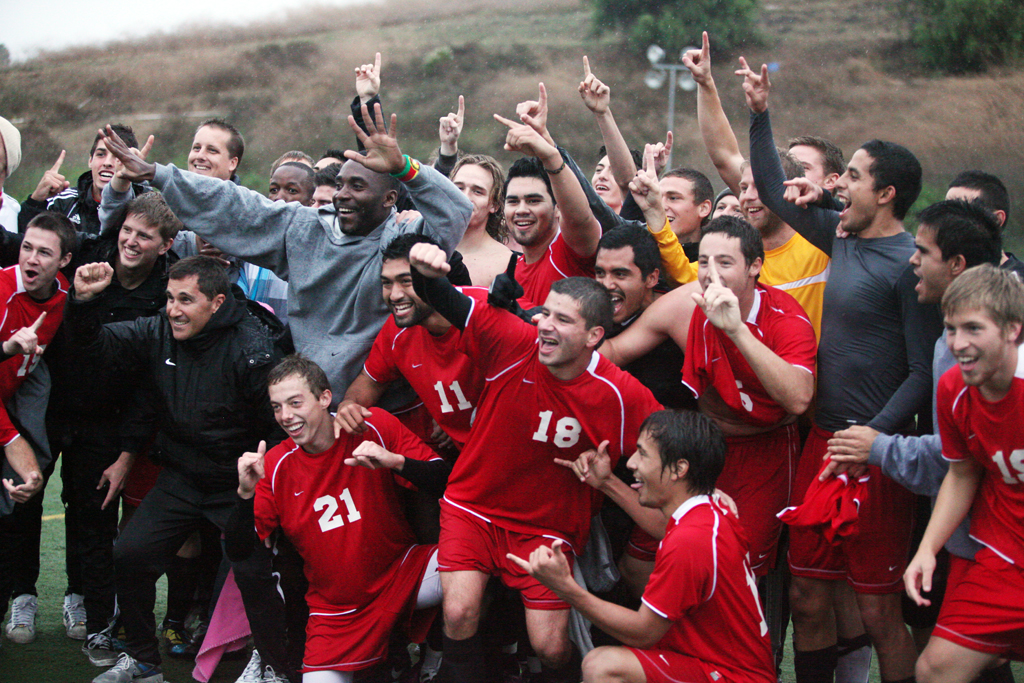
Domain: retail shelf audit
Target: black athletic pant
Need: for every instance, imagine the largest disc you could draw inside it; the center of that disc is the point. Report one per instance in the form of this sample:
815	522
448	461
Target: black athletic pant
20	532
172	510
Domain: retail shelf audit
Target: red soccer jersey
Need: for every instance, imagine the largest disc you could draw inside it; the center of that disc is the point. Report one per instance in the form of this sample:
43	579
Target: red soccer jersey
346	522
558	263
444	378
527	418
712	359
21	310
702	582
992	434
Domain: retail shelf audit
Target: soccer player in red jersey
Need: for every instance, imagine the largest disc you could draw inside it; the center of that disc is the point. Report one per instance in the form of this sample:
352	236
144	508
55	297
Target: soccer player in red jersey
314	488
32	296
750	362
419	344
548	396
700	619
979	404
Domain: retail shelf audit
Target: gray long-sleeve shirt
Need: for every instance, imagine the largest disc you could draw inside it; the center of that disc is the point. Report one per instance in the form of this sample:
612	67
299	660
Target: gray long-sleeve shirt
875	354
335	307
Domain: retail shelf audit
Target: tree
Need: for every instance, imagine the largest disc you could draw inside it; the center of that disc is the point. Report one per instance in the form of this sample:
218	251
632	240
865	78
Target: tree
960	36
675	24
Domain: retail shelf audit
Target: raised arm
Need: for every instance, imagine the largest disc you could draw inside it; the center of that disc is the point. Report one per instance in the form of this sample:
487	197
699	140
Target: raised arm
667	318
597	97
449	129
719	139
646	192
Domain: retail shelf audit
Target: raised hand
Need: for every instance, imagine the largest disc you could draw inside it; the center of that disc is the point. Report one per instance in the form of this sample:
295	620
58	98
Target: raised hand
661	153
91	279
134	167
596	95
23	492
802	192
526	139
547	565
429	259
368	80
534	113
25	340
756	86
372	455
699	62
719	303
450	128
592	467
52	183
382	152
646	190
350	418
251	470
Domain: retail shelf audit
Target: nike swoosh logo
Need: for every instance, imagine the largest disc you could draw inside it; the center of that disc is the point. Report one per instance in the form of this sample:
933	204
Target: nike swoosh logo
168	361
893	568
417	365
300	493
526	381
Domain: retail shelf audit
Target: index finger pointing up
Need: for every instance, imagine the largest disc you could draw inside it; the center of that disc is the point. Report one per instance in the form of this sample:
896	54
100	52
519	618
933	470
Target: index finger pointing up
38	322
713	272
60	160
586	67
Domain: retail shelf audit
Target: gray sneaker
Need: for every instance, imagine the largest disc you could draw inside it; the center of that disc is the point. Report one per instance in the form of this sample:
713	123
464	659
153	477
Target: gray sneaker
129	670
100	649
21	628
74	616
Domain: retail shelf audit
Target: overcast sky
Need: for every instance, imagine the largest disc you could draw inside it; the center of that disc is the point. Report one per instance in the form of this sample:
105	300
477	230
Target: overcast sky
25	27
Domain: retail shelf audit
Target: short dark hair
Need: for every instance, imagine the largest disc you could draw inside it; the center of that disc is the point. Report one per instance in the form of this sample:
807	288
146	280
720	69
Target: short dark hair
965	228
690	436
993	195
292	157
896	166
308	170
790	166
236	143
153	210
645	248
594	300
297	364
332	154
496	227
637	155
528	167
702	188
328	175
59	224
211	276
731	226
123	131
401	246
832	159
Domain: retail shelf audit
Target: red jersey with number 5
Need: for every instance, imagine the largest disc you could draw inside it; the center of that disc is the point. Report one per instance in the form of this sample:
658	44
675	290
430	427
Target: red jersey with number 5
21	310
992	433
713	360
444	377
702	582
346	522
507	474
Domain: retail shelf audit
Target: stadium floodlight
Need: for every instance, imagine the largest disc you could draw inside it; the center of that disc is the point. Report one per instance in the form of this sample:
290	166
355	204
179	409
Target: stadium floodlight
654	79
655	54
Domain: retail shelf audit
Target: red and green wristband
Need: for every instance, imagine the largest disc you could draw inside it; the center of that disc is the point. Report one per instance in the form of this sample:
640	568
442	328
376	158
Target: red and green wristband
409	171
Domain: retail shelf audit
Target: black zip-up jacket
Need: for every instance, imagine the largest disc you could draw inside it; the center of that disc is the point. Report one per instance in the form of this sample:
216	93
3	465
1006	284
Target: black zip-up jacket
75	202
209	397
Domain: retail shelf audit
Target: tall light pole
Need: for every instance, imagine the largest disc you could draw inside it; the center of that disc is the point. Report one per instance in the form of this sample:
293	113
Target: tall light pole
675	74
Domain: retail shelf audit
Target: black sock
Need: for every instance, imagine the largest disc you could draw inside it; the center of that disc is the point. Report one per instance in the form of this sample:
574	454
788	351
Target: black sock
816	666
997	674
567	673
908	679
463	661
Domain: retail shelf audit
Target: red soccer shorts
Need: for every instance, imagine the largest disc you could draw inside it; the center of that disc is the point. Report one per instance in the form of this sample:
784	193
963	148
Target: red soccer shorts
141	479
667	666
873	557
758	475
353	640
469	543
984	606
641	545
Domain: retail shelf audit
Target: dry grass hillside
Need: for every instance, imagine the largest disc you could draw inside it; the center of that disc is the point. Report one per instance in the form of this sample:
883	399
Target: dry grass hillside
845	73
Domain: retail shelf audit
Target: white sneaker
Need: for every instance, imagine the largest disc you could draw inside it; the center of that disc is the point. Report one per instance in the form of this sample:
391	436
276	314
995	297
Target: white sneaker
253	672
129	670
99	648
74	616
270	676
21	628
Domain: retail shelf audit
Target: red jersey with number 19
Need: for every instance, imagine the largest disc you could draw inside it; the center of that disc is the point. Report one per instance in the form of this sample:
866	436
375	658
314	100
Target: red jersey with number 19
992	434
444	378
527	418
702	582
21	310
346	522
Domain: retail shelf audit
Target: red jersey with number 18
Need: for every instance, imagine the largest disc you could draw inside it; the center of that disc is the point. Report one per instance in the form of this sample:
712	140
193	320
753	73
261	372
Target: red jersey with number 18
527	418
346	522
702	582
444	378
992	434
21	310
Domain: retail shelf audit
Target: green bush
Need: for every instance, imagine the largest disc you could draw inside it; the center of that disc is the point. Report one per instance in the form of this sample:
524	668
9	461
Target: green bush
958	36
675	24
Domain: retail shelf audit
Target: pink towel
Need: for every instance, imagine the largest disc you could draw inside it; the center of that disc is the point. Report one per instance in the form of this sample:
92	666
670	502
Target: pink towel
229	630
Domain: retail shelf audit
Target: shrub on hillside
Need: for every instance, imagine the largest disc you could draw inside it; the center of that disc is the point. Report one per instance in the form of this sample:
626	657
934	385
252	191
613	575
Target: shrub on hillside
674	24
959	36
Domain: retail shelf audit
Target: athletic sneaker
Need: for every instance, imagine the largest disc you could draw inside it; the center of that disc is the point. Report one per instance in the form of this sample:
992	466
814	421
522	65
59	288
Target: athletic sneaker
270	676
253	672
74	616
21	628
129	670
175	634
100	649
189	649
